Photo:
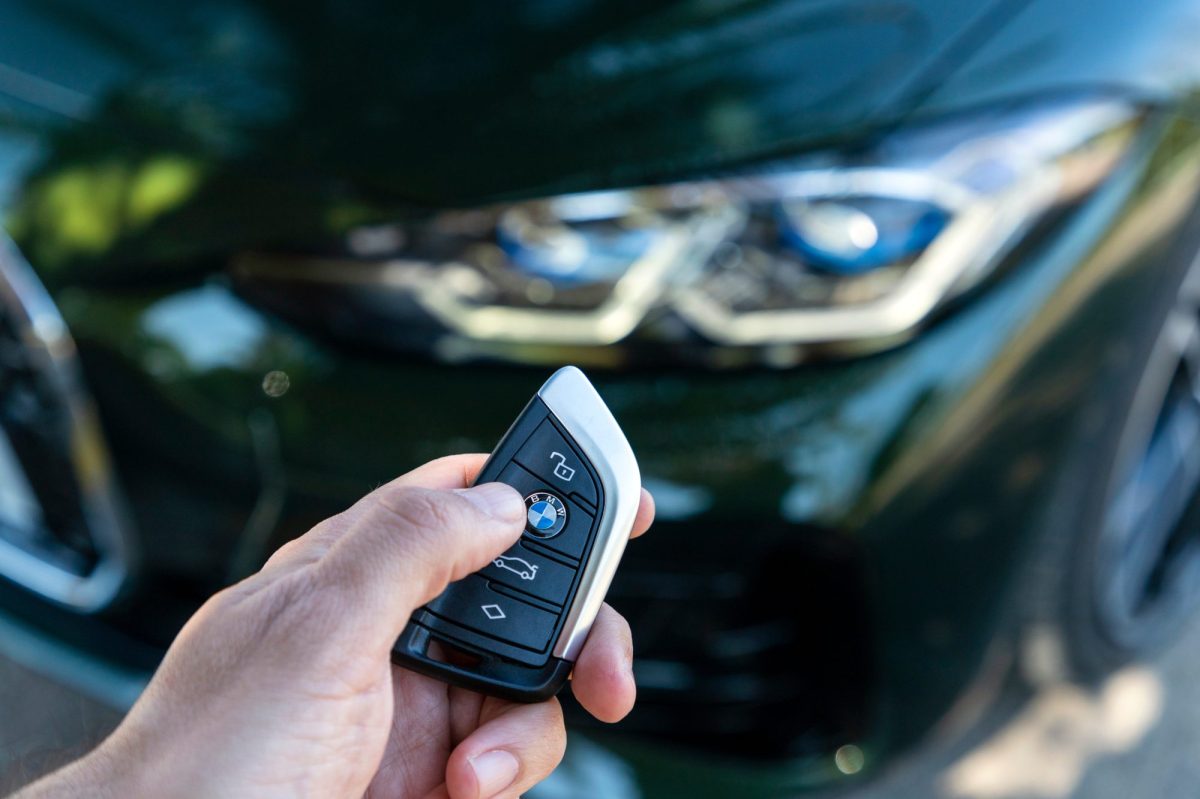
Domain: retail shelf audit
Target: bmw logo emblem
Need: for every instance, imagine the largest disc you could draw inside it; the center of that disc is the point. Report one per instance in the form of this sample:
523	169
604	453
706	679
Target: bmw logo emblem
545	514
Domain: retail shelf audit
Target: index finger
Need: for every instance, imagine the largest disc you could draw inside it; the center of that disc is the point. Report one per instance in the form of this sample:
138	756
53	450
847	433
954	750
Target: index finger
645	515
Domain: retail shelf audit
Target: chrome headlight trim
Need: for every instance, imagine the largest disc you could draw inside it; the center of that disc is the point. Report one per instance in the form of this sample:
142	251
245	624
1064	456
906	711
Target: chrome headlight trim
631	298
991	177
979	231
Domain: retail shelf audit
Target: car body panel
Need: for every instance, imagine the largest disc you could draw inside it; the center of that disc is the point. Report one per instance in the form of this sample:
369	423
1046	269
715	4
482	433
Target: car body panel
930	460
547	86
1050	47
835	545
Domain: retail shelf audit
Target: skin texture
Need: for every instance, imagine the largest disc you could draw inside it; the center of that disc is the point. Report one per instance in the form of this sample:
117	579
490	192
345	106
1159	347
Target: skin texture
282	685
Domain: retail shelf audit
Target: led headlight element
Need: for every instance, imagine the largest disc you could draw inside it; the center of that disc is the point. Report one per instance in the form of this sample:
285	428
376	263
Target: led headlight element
828	250
958	214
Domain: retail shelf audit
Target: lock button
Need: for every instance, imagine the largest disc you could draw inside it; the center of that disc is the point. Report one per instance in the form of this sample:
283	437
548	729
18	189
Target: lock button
548	455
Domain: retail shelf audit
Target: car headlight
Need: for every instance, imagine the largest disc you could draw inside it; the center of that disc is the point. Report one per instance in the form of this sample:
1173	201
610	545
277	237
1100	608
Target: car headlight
833	251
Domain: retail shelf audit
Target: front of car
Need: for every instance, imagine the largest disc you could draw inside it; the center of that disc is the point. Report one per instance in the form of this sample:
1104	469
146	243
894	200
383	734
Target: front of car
869	287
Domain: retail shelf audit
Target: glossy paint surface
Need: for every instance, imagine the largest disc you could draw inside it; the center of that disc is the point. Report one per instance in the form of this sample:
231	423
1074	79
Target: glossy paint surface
837	545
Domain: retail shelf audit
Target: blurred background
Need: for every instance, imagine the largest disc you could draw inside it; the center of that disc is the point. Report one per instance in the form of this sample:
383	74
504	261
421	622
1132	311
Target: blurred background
897	302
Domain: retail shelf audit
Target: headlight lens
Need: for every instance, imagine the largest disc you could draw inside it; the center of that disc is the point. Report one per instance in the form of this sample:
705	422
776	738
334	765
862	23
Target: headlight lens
826	252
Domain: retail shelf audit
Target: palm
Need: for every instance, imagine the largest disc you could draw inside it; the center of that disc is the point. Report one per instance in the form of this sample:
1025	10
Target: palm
436	717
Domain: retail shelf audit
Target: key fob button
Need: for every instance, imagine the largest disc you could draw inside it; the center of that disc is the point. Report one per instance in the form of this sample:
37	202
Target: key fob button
473	604
548	455
545	515
572	538
522	569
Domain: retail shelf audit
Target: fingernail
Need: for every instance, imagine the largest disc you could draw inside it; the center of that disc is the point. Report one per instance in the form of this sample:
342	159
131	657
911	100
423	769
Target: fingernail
496	499
495	771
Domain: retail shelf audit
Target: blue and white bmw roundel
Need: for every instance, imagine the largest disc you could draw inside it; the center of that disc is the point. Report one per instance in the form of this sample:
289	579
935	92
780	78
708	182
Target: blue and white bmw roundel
545	515
542	515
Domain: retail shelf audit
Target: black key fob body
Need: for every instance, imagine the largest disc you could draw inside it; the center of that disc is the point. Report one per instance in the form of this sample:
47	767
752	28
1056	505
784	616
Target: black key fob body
522	620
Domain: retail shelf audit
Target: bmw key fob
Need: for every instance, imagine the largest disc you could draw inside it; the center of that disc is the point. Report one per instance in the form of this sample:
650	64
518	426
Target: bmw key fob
522	620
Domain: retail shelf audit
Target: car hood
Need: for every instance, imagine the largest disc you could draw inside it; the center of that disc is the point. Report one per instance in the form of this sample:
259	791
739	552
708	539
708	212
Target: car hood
456	104
635	93
158	133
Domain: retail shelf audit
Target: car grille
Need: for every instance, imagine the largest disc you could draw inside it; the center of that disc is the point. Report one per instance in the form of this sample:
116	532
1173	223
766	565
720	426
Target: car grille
61	533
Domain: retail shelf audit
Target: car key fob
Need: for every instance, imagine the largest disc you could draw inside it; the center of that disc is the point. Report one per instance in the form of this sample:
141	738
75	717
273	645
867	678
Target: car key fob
517	626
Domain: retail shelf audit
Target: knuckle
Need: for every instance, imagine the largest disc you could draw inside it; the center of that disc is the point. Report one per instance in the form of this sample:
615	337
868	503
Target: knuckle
219	605
311	546
284	552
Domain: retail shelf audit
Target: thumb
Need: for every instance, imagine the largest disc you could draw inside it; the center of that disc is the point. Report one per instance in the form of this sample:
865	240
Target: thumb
409	543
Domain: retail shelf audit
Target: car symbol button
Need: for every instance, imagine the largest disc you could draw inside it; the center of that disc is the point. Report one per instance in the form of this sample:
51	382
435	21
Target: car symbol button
523	569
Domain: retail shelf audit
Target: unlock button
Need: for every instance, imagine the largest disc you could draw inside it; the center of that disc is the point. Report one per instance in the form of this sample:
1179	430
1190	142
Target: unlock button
548	455
561	469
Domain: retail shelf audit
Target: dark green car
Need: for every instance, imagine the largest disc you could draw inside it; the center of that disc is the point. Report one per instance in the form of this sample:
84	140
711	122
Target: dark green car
896	301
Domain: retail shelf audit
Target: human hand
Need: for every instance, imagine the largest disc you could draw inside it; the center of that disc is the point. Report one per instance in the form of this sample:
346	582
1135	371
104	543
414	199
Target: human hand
282	685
